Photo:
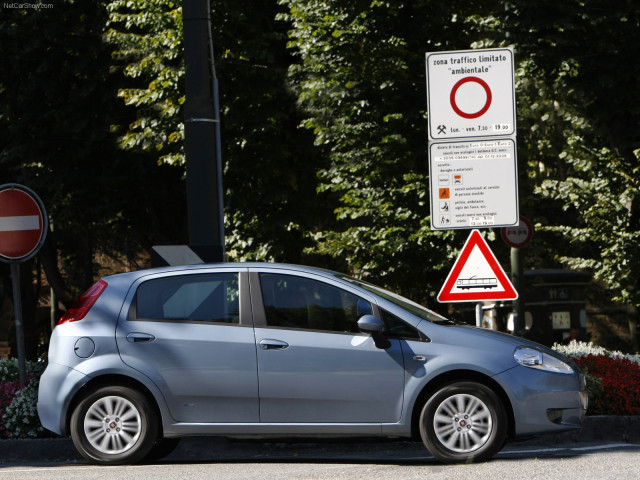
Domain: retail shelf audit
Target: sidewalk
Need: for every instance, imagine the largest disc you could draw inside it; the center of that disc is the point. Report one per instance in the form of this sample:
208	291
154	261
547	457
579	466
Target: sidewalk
596	429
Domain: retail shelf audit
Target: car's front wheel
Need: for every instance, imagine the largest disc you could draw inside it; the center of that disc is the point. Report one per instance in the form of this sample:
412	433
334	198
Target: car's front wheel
463	422
114	426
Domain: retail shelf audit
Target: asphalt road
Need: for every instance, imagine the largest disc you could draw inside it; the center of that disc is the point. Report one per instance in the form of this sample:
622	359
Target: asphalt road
607	447
313	461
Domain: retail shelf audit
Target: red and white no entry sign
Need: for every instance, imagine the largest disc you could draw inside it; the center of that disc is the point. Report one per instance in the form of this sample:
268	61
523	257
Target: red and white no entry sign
519	235
23	223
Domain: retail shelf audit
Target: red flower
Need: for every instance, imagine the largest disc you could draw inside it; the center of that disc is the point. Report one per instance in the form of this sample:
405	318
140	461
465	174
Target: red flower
620	383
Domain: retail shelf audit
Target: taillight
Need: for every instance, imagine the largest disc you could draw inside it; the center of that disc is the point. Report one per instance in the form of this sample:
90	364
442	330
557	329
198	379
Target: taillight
84	303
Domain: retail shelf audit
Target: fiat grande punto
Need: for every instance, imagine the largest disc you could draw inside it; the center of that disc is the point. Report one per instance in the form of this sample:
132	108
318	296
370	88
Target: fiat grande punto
144	358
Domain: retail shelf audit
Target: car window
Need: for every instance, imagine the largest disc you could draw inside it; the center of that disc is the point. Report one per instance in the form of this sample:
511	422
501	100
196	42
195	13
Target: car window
202	297
397	328
299	302
404	303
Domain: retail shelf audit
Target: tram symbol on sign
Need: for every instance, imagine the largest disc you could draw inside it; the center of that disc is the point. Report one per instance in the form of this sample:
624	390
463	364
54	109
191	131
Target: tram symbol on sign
473	282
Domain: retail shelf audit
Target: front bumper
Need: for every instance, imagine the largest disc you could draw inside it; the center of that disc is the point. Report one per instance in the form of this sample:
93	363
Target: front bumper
545	402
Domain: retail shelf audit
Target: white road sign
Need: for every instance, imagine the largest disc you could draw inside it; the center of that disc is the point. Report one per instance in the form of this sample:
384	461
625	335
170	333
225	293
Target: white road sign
474	184
471	93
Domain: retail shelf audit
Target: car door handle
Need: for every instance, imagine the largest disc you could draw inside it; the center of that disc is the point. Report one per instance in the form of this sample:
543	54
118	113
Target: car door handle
138	337
270	344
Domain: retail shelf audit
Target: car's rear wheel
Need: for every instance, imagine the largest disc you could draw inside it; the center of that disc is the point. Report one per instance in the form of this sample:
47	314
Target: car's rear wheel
114	426
463	422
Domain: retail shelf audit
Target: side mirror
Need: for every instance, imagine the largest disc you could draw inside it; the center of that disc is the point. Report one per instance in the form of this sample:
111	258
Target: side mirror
375	327
370	324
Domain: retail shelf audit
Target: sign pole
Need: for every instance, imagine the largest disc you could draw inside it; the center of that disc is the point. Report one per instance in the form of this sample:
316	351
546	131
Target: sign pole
518	284
201	129
479	314
17	307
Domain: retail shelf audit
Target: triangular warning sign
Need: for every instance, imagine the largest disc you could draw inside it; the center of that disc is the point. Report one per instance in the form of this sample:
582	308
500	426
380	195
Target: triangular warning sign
476	276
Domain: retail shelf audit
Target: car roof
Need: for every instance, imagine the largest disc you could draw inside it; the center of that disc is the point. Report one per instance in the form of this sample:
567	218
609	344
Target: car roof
134	275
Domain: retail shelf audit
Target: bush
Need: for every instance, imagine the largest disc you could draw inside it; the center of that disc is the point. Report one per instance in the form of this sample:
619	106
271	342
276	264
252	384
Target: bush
613	378
18	415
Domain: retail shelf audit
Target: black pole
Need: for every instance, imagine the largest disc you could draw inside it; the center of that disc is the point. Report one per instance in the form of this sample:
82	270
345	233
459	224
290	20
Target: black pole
204	169
17	307
518	284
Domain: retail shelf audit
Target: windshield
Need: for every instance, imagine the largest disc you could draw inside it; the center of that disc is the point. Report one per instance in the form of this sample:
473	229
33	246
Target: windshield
404	303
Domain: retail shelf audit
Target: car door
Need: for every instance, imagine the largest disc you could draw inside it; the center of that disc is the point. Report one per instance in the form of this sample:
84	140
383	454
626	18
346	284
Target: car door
313	365
191	334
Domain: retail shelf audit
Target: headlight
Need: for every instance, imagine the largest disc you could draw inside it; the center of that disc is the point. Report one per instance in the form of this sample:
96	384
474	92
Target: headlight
532	358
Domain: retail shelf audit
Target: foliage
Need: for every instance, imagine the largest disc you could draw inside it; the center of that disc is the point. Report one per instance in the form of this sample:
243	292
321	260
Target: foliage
59	114
620	385
613	378
323	132
360	74
8	390
147	39
269	170
578	349
580	134
21	417
52	116
270	165
18	415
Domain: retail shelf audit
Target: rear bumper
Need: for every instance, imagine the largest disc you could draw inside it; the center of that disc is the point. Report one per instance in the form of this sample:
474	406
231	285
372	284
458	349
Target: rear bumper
57	386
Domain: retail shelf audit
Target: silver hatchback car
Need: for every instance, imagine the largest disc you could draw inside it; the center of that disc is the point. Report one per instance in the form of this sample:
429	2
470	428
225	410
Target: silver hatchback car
237	349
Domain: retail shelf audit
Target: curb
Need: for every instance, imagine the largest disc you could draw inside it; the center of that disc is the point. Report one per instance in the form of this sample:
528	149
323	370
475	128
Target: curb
596	429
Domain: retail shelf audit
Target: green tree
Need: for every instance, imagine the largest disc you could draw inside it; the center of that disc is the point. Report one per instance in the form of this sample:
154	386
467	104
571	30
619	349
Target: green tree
269	168
582	140
57	111
361	83
146	37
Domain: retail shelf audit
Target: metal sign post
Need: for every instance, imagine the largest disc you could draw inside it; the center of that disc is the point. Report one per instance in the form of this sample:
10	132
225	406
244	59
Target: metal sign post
23	229
17	308
518	237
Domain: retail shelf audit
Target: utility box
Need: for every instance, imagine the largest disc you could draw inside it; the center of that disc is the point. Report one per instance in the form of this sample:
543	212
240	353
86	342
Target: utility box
555	304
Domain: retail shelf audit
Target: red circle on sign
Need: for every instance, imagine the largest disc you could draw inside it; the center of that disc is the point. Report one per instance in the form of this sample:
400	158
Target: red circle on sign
480	112
21	224
519	235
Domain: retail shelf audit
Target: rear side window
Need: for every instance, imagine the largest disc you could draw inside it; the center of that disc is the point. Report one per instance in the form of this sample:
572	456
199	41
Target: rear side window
202	298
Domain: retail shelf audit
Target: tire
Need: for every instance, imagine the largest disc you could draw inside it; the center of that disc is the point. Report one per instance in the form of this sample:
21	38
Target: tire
463	422
114	426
